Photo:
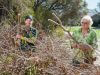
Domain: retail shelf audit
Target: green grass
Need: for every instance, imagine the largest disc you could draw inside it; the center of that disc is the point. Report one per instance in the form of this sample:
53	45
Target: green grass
73	28
97	30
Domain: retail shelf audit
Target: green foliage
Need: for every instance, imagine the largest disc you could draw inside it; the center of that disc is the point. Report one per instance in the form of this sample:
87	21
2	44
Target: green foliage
98	33
13	7
65	9
39	14
59	31
5	73
31	70
43	9
24	7
42	15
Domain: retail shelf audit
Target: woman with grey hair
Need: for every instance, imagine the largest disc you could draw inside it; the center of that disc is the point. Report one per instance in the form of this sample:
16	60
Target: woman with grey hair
85	37
87	18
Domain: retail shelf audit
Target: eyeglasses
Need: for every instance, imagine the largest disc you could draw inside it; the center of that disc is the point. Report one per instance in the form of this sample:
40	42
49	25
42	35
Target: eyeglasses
84	22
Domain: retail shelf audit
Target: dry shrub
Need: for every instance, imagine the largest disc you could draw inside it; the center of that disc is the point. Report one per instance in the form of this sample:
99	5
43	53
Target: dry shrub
52	57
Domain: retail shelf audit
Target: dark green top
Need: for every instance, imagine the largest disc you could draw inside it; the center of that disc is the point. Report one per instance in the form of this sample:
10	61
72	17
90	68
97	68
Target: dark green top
29	37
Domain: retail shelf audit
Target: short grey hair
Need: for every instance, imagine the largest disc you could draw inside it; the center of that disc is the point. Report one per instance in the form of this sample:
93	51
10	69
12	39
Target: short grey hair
87	17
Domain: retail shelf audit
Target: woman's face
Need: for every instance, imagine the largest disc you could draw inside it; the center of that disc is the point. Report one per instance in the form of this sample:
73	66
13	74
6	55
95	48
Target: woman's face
28	22
85	24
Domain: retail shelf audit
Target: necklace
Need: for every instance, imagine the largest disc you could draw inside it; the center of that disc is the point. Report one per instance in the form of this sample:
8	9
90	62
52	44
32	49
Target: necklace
85	33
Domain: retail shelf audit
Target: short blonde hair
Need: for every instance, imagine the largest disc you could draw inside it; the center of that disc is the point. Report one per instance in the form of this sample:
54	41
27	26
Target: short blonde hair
87	17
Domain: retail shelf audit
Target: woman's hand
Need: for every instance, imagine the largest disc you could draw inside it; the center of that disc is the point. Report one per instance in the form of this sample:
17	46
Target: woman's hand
18	36
74	45
85	47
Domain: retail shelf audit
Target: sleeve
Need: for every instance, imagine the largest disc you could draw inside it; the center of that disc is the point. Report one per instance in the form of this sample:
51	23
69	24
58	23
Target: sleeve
94	45
93	39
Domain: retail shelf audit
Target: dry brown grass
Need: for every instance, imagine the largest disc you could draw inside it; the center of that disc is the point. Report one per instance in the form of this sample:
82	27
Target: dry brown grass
52	57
